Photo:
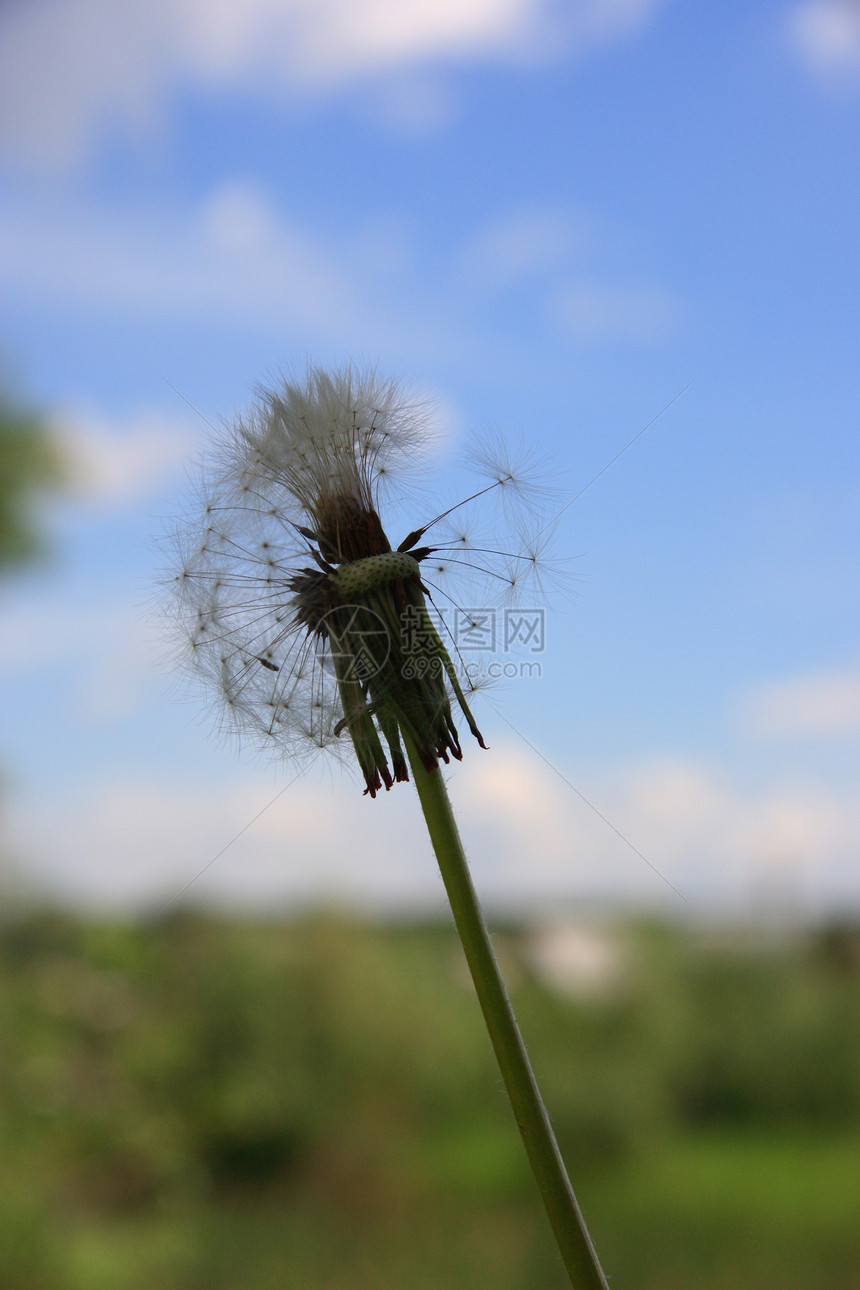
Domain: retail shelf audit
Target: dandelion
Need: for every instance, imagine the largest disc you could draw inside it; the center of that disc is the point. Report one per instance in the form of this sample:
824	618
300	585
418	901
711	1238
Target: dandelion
312	630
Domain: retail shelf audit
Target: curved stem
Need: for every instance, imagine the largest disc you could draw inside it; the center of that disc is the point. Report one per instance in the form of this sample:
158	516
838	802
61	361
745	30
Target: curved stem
561	1206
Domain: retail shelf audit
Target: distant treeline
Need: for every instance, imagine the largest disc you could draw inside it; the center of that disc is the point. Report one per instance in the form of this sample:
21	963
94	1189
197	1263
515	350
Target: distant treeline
199	1103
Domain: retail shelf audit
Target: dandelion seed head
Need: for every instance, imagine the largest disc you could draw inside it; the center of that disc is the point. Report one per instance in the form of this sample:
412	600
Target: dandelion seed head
291	599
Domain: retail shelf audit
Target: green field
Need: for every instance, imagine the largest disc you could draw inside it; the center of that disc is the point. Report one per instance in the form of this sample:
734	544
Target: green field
201	1104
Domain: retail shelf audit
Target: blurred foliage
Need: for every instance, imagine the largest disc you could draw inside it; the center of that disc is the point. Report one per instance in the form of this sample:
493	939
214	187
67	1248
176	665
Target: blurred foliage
211	1105
29	463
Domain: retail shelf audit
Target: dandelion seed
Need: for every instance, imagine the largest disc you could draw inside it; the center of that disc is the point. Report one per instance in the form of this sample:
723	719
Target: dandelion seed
294	599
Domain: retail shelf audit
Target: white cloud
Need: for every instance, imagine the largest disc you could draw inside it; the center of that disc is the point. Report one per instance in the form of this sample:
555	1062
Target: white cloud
234	257
99	630
532	843
70	71
132	844
551	250
38	633
238	259
526	242
715	841
792	828
640	312
112	464
820	705
705	836
238	221
112	654
826	34
339	38
414	103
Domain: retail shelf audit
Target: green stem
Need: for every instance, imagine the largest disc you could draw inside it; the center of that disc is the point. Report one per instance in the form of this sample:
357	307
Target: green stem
561	1206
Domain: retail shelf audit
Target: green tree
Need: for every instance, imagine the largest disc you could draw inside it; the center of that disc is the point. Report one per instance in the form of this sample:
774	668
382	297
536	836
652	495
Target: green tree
29	463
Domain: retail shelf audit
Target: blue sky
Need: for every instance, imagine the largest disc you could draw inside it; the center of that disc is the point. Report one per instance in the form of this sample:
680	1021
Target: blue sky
550	219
